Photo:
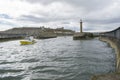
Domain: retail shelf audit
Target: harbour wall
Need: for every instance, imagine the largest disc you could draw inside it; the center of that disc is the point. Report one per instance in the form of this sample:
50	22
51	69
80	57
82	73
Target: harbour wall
112	38
8	36
115	44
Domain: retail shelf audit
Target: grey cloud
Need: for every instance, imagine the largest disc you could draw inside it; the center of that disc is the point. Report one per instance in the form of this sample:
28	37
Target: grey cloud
35	19
104	21
5	16
40	1
65	22
94	8
87	4
31	18
7	23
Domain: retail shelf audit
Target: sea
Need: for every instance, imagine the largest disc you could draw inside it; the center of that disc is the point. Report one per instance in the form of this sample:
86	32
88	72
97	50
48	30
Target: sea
60	58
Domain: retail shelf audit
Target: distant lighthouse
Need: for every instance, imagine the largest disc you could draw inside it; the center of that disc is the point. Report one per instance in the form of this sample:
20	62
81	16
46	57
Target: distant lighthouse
81	26
82	35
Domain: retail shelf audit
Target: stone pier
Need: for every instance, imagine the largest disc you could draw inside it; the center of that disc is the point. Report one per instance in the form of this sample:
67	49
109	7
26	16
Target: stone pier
82	35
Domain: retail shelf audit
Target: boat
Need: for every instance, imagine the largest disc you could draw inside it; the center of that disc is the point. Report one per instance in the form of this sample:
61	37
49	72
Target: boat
27	41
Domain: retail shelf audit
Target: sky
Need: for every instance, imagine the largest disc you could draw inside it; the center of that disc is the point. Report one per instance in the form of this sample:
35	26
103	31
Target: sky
97	15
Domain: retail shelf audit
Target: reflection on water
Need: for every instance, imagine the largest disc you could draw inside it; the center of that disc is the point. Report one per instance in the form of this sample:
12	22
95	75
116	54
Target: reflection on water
55	59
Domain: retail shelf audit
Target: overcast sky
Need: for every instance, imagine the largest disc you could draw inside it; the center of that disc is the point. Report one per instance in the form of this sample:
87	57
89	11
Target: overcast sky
97	15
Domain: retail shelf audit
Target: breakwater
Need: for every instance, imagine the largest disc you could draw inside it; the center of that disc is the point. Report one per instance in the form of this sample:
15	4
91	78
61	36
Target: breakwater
83	36
113	38
7	36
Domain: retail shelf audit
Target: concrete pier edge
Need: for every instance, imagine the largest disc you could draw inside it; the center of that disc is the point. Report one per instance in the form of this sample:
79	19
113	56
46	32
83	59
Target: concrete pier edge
114	43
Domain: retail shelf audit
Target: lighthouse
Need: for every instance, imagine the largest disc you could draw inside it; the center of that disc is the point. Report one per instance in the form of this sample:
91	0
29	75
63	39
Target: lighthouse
81	26
82	35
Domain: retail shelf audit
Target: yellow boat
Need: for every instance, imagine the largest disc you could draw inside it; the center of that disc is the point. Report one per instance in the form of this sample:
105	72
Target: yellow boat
27	42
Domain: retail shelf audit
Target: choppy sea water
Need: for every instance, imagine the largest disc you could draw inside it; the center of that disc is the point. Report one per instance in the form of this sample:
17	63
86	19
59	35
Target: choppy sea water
59	58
